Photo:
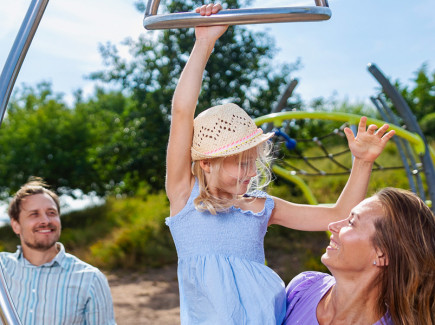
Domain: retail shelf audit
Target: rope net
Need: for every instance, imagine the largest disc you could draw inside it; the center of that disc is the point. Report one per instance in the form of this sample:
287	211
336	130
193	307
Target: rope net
307	156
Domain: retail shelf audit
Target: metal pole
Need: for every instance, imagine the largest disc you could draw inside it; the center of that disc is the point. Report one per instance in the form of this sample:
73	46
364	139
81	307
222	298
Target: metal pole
411	122
381	110
283	101
19	51
8	314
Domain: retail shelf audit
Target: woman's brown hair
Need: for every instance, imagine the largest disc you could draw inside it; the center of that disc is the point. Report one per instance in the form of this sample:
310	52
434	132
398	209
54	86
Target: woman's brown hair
406	236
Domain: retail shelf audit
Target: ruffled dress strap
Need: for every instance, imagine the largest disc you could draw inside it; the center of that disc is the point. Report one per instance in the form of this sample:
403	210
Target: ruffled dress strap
269	203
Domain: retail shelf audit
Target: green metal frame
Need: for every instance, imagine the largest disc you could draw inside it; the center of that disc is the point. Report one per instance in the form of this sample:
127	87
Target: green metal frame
277	119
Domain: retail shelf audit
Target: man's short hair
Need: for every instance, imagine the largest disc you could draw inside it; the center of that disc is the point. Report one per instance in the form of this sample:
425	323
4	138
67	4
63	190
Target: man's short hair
34	186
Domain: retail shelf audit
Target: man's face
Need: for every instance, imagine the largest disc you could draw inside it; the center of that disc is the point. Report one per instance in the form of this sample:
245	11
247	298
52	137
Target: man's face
39	223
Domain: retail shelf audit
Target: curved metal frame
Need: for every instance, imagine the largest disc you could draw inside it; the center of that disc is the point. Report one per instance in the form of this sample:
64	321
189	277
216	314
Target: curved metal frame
8	313
414	139
403	148
19	50
277	118
153	21
427	156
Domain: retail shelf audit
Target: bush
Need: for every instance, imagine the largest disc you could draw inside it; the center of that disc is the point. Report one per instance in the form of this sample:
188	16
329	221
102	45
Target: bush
427	124
141	238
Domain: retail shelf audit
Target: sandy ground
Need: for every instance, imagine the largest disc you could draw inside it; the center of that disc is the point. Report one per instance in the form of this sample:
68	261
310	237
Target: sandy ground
146	298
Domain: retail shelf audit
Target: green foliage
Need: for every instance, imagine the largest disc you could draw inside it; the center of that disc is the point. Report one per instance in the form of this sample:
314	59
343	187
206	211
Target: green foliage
128	233
141	238
288	251
8	240
427	125
42	137
82	228
421	98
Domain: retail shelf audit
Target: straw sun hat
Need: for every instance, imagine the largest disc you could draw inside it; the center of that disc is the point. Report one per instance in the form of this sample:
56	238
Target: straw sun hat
224	130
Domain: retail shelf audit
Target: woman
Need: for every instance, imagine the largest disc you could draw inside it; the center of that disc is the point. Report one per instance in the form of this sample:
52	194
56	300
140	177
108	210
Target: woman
382	261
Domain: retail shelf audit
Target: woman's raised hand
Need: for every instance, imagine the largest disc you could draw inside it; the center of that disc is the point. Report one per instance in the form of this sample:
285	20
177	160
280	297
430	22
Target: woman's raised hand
211	33
369	143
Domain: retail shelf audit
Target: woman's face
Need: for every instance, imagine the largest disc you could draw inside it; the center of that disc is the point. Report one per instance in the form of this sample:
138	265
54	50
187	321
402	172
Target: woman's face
351	248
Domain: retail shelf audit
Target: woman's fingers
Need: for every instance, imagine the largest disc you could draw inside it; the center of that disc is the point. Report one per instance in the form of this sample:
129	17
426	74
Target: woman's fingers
382	130
362	124
388	136
371	129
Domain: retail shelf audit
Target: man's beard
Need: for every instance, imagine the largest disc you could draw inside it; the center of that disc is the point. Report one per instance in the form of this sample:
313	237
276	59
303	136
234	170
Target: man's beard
43	245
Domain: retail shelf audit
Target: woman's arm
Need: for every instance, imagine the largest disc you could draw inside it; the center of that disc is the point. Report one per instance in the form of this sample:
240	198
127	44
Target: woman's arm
178	161
365	147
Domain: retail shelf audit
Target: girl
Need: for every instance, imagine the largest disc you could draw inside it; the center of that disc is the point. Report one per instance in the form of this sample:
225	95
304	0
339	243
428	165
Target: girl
218	230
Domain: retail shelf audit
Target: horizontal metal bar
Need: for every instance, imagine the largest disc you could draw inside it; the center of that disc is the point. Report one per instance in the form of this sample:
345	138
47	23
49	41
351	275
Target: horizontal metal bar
237	17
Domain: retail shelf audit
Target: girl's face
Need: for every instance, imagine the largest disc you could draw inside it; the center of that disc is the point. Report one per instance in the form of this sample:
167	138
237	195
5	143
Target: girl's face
235	173
351	249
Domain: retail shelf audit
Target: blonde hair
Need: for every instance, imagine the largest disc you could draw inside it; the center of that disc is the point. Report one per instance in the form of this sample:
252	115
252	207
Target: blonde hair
208	202
406	235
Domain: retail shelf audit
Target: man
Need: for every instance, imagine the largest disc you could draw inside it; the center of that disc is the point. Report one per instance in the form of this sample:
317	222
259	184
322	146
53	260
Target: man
47	285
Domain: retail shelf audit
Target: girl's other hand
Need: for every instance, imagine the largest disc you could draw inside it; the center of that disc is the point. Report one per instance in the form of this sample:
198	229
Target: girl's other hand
368	144
209	32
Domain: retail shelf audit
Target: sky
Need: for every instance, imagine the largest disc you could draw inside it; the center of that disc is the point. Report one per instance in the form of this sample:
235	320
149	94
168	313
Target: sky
399	36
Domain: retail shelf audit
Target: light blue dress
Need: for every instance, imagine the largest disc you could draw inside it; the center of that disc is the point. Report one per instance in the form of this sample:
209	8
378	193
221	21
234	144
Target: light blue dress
221	271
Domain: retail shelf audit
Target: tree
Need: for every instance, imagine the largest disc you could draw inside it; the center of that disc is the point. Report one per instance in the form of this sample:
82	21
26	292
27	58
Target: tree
42	137
240	70
421	98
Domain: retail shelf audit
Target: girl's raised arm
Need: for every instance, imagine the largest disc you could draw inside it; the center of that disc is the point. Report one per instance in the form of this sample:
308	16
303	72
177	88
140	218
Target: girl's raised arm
366	147
178	161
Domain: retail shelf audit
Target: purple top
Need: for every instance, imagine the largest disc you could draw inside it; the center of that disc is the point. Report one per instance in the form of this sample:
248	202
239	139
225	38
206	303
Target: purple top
304	293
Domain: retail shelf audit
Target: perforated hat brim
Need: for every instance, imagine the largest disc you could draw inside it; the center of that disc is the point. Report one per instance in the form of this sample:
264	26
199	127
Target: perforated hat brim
233	150
224	130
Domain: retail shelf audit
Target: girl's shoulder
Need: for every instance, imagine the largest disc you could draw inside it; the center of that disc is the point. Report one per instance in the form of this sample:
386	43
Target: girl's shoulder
256	202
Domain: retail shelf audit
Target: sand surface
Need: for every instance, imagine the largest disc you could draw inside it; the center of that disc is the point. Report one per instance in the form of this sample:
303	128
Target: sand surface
145	298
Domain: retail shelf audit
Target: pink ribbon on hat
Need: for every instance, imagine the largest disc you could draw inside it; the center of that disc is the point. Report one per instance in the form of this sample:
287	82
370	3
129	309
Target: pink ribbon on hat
254	134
